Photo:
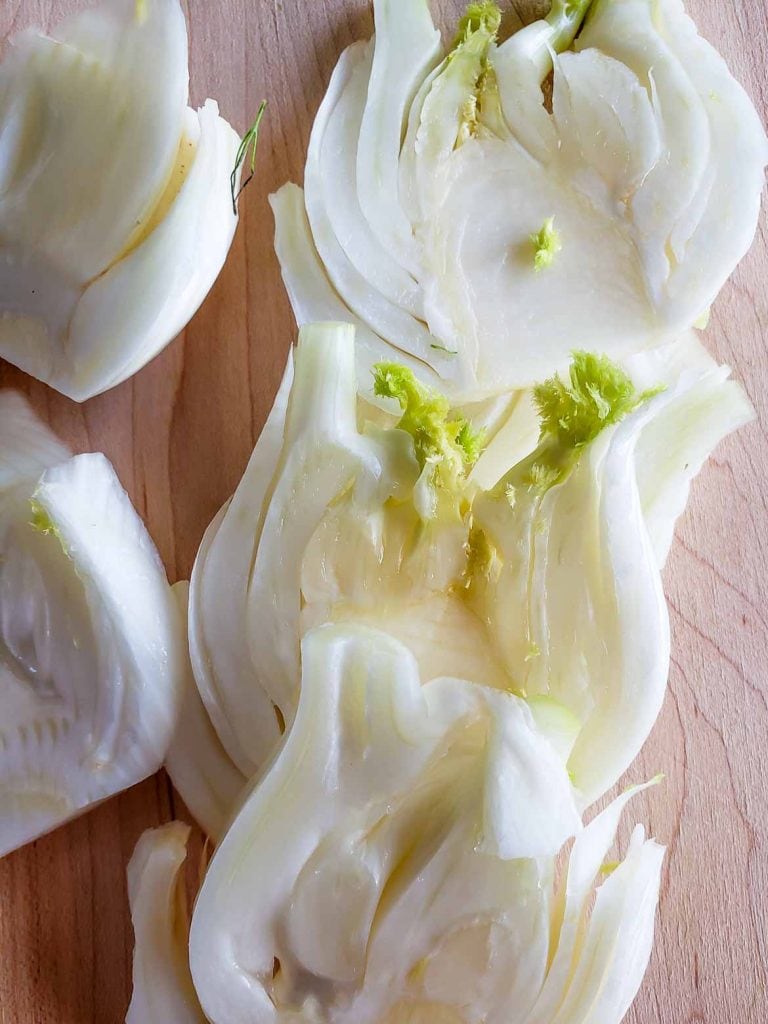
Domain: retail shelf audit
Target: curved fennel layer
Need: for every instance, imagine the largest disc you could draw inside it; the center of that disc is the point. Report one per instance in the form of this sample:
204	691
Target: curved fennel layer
209	783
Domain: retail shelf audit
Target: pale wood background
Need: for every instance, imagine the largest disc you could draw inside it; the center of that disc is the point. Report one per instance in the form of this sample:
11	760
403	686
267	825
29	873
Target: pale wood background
179	435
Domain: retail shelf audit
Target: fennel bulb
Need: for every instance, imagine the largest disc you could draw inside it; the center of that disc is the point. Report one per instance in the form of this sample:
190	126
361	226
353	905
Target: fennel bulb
115	208
91	641
537	573
397	864
462	223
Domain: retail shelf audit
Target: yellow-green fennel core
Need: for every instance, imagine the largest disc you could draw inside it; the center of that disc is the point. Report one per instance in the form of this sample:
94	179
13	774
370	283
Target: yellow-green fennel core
439	436
483	562
546	243
573	412
565	18
534	651
483	17
468	121
473	45
476	34
596	394
42	522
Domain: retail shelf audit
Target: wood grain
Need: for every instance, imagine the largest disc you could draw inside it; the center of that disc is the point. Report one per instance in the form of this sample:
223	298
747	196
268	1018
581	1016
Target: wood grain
179	435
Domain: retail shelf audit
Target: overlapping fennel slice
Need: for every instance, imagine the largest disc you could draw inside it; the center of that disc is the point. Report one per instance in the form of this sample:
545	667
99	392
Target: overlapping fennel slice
457	220
537	573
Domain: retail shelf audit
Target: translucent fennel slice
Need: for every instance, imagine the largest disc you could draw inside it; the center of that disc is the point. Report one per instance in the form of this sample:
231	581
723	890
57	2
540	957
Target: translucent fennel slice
514	232
163	992
91	641
398	863
115	206
536	572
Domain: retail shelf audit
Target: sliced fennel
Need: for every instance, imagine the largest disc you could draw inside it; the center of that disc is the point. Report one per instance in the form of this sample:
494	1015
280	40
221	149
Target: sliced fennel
578	531
397	864
246	603
245	598
91	644
163	992
115	207
649	170
541	578
200	769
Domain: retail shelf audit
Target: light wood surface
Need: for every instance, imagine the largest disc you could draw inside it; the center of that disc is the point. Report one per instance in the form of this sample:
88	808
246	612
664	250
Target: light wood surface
179	435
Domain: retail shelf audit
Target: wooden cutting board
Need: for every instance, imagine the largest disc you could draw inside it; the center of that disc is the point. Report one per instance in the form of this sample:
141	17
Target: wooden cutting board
179	435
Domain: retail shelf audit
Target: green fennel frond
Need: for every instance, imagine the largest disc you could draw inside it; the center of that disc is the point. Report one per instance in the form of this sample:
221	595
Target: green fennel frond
248	143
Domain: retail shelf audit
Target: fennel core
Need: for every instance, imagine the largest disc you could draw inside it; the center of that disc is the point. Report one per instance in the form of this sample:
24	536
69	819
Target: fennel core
248	143
41	522
547	244
476	33
565	19
439	437
573	412
478	17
